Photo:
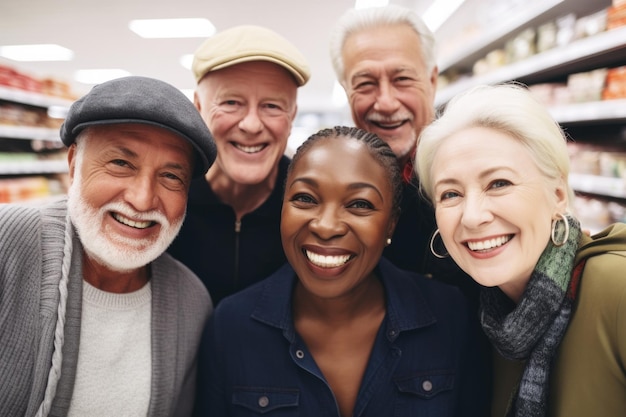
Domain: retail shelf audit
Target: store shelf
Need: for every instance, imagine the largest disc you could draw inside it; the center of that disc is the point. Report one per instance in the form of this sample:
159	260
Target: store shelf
32	99
597	111
29	133
33	167
593	184
492	38
597	50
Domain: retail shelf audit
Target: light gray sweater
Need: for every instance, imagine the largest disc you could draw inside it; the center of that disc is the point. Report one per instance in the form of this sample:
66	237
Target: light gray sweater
33	249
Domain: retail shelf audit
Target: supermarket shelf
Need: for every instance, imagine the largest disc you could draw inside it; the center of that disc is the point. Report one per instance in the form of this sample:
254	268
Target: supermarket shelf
580	54
593	184
29	133
491	39
33	167
596	111
32	99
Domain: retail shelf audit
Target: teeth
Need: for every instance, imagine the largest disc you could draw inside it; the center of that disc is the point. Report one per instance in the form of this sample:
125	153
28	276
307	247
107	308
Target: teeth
389	125
488	244
327	261
132	223
249	149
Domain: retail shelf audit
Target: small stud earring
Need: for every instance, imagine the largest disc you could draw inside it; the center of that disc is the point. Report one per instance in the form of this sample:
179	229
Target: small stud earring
388	241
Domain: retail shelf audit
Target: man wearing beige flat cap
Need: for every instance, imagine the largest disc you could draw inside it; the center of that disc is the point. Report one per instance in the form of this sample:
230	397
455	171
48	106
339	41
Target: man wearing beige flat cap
248	77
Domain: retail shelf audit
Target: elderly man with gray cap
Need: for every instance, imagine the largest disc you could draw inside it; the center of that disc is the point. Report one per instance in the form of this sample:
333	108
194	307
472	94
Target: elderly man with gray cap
94	318
248	78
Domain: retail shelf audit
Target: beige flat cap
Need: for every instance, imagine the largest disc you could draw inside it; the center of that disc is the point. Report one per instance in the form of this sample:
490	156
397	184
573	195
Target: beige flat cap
249	43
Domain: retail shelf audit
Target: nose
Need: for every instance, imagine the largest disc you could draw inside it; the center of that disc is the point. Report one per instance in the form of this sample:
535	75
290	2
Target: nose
328	224
251	122
475	211
141	193
386	101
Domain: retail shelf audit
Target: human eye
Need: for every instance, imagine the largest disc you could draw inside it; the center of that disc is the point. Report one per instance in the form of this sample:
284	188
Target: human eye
302	200
119	162
119	165
273	109
499	183
448	196
361	205
363	84
173	181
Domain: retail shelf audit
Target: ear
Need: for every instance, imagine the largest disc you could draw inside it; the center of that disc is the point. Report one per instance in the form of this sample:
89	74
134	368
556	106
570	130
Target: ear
434	76
196	100
71	161
561	196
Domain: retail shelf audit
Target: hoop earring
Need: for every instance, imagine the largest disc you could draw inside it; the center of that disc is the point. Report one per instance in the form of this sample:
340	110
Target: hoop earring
432	246
555	222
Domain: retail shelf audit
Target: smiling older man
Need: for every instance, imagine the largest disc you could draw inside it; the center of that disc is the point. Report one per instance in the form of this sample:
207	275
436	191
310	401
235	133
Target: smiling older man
94	319
248	77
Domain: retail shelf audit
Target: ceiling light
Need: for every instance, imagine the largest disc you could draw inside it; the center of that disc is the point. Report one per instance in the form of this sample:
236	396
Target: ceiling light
41	52
439	11
172	28
97	76
364	4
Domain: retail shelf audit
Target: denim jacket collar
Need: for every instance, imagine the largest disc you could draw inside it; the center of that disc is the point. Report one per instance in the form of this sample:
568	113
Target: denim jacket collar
404	312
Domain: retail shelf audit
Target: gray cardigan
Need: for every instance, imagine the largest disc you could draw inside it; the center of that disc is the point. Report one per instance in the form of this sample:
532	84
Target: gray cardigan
33	246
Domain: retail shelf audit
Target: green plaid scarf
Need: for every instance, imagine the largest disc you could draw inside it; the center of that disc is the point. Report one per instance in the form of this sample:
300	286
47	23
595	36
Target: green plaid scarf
533	329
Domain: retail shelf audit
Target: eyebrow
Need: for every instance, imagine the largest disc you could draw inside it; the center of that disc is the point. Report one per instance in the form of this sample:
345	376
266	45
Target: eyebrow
395	71
352	186
132	154
483	174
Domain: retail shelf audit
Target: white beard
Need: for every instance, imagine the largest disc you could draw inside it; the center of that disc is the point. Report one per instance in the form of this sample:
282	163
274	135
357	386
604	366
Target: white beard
116	252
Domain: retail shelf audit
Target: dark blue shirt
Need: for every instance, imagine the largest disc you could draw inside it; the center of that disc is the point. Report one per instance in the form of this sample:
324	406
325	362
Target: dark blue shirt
425	359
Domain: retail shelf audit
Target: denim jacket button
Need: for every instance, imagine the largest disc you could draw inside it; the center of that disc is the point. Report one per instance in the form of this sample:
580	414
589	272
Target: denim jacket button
299	354
264	401
427	386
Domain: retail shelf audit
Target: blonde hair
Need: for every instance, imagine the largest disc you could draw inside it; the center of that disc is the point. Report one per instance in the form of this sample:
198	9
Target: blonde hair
507	108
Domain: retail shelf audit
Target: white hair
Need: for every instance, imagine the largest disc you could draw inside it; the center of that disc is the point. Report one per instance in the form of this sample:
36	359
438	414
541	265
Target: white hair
507	108
356	20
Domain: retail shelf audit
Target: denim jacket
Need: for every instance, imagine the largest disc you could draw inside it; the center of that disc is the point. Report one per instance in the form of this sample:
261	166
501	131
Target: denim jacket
425	360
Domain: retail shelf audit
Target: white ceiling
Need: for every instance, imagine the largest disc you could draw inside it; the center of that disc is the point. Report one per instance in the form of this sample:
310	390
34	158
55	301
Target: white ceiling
97	31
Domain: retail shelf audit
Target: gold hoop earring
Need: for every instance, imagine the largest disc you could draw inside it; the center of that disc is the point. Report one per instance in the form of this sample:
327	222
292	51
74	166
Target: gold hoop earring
553	232
432	246
388	241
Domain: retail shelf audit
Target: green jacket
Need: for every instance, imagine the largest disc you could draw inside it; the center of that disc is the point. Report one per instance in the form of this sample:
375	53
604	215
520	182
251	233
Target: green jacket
589	374
589	378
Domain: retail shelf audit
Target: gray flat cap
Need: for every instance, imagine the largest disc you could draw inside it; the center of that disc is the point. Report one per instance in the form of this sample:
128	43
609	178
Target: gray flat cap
147	101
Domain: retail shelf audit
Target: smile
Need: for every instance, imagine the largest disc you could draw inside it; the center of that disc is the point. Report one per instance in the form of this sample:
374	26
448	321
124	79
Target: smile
324	261
132	223
388	125
489	243
249	149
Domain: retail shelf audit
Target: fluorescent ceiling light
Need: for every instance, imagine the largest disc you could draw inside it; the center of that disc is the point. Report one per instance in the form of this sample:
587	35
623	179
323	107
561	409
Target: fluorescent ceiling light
186	61
439	11
364	4
41	52
97	76
172	28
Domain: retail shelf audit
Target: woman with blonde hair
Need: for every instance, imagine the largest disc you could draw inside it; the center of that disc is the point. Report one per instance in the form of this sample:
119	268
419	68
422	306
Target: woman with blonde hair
495	166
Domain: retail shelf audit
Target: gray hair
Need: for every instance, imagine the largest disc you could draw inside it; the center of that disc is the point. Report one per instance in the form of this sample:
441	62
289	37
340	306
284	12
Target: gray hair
507	108
354	21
